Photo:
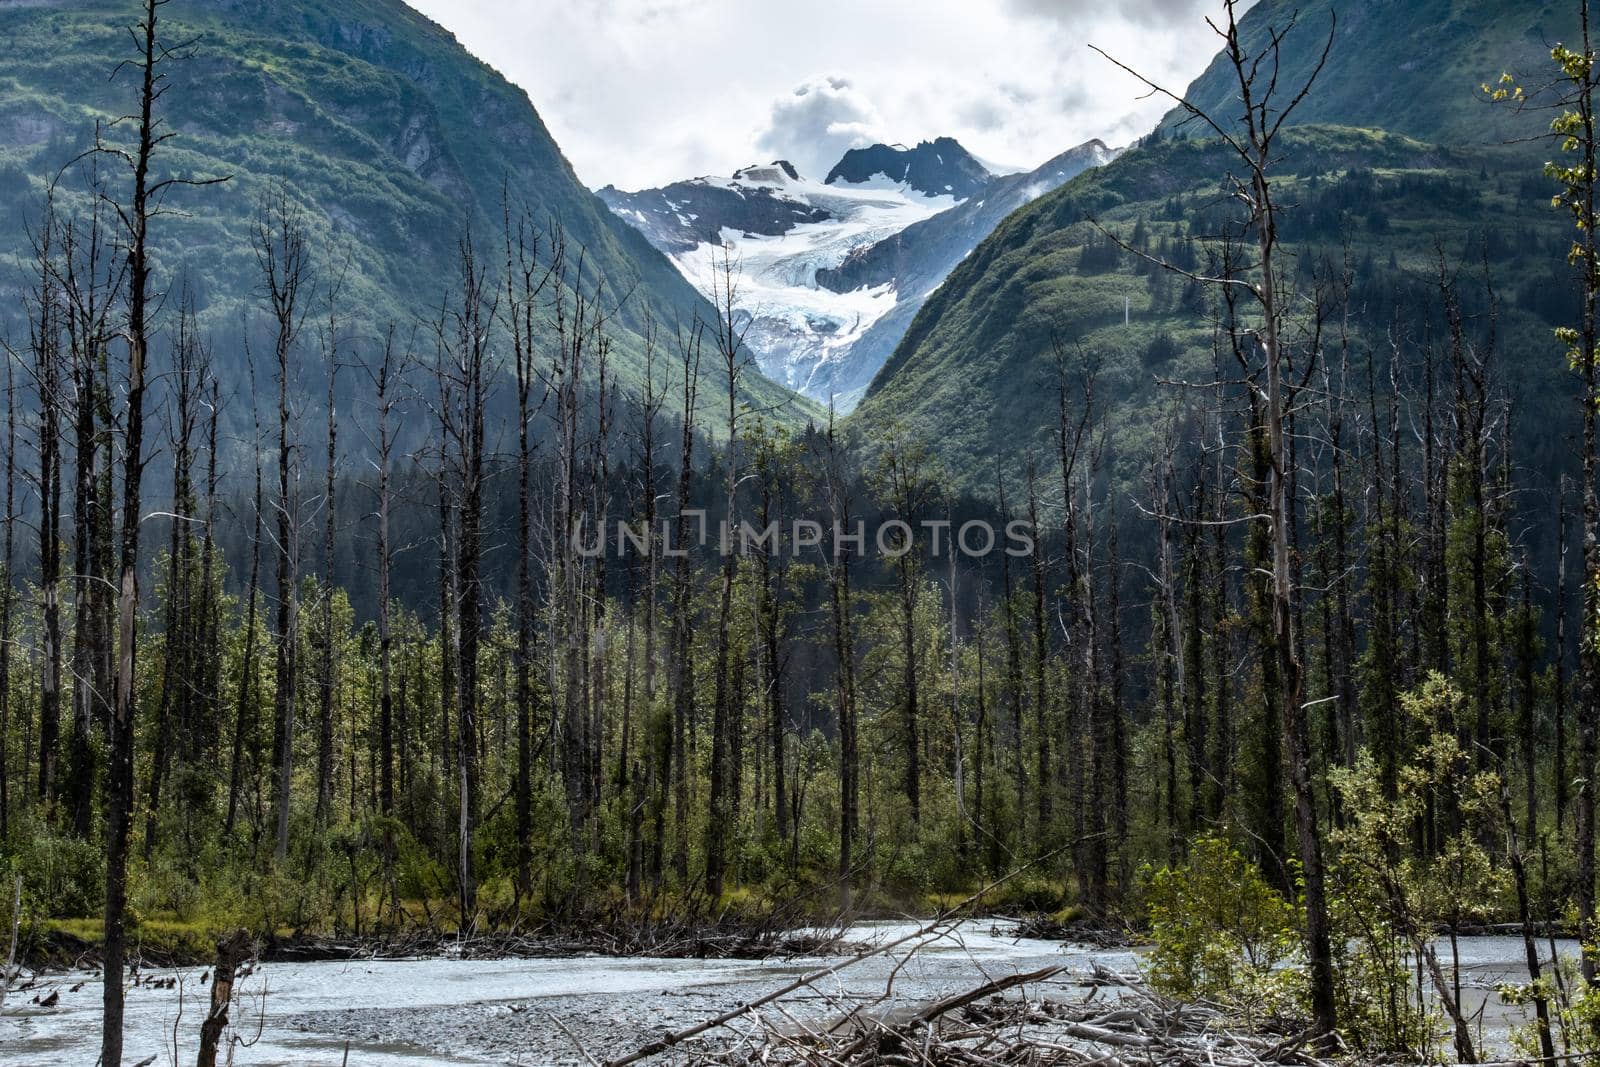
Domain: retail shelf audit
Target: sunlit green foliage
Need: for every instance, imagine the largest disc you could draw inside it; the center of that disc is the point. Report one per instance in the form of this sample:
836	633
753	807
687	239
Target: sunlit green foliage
1220	932
1393	896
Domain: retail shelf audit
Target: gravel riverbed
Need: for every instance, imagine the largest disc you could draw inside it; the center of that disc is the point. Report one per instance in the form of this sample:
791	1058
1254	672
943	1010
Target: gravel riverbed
406	1013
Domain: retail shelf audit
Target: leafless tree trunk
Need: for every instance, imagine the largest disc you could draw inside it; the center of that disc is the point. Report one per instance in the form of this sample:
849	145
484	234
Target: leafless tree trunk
176	673
463	338
596	637
330	529
283	255
231	952
1251	139
1559	702
1194	675
90	283
1171	660
1043	719
6	598
842	611
1013	634
525	282
906	489
245	702
1589	643
384	387
689	350
45	330
145	197
769	460
729	339
1117	727
647	410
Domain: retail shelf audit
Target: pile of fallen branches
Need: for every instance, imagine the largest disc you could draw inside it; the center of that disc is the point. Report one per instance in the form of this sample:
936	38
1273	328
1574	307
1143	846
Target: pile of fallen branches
704	939
1100	933
1032	1019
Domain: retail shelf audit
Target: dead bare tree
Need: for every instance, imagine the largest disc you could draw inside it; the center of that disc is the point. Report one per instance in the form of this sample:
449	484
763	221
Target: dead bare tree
1169	631
45	330
1043	707
283	254
525	282
330	528
92	277
733	358
1251	139
386	377
144	203
231	952
177	674
646	778
6	595
690	342
905	483
842	612
462	335
245	702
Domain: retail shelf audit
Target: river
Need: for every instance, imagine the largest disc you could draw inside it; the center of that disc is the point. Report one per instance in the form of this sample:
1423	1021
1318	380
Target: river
413	1012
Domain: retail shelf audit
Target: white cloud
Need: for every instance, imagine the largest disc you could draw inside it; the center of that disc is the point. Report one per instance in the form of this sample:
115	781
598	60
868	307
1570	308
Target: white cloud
641	92
1145	12
819	122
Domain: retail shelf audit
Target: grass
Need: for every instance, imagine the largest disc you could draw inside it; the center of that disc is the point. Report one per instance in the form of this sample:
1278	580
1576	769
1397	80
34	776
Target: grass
160	940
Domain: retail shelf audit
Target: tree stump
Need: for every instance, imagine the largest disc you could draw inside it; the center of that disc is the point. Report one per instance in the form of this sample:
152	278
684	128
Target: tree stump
231	951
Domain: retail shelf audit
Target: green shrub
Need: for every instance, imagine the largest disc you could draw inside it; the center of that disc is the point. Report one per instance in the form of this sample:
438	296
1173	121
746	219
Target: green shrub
1387	897
1220	932
61	875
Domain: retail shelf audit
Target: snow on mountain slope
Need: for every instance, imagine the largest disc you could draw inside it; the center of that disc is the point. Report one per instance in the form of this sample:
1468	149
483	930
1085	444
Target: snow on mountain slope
917	259
781	229
799	327
831	273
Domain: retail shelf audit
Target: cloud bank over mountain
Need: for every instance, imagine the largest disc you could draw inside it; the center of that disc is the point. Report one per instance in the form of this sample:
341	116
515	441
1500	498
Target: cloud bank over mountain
819	122
640	93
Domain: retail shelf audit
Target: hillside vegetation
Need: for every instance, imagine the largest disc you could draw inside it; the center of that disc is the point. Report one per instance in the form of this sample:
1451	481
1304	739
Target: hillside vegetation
394	139
1397	162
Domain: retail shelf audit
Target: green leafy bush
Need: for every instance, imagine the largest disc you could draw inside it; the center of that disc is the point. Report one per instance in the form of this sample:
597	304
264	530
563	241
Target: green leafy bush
61	874
1222	933
1389	899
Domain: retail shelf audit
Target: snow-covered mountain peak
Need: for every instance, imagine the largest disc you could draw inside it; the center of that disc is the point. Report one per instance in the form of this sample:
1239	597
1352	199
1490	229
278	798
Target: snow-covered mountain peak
833	269
777	173
940	167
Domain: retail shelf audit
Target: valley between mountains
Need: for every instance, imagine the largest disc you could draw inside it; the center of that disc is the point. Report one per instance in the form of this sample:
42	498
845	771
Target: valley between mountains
831	271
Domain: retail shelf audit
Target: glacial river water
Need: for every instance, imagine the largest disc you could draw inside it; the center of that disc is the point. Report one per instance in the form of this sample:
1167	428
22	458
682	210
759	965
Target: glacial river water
407	1013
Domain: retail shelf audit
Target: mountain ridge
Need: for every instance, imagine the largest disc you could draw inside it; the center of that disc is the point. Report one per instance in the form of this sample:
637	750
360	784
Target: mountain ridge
392	137
973	373
835	271
924	168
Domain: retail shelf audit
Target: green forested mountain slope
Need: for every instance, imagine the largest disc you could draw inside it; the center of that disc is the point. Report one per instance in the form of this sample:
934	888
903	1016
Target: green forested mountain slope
975	373
384	128
1408	66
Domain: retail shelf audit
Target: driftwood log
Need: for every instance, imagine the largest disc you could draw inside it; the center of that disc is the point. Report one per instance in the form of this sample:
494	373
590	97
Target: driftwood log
931	930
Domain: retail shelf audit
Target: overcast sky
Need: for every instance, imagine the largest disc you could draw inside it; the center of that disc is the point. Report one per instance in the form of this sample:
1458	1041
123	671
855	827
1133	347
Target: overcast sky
641	92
